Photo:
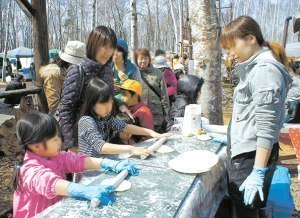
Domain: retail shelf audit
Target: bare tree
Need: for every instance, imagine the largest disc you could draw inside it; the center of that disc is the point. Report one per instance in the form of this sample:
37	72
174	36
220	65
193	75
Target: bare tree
175	26
207	54
133	38
6	41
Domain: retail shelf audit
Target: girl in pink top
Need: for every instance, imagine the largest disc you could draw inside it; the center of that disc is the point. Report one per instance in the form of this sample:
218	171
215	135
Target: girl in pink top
39	181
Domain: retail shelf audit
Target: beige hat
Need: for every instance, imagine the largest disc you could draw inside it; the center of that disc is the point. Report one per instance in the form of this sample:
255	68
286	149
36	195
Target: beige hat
160	62
179	67
74	52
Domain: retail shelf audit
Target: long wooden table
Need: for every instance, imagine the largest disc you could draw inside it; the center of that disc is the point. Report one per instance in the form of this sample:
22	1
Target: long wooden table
158	191
20	92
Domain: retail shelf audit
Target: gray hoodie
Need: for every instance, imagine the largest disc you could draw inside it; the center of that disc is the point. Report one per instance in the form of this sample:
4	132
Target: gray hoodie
259	103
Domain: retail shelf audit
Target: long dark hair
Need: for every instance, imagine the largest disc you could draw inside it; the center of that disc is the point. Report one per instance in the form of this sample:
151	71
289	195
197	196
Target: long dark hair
33	128
100	36
97	91
190	85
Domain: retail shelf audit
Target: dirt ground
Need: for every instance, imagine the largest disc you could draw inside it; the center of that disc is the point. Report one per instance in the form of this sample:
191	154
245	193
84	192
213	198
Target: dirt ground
287	159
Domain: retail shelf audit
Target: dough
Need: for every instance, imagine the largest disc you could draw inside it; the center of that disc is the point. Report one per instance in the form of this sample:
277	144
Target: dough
203	137
123	186
164	149
196	161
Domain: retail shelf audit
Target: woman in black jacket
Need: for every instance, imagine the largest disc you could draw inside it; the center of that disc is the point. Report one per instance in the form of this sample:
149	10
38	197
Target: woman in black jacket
189	89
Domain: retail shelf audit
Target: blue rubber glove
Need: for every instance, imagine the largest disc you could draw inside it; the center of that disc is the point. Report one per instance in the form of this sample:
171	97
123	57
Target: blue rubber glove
118	166
101	192
218	137
253	184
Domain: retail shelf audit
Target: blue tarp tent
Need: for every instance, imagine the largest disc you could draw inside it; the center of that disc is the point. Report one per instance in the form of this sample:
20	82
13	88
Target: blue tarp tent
20	52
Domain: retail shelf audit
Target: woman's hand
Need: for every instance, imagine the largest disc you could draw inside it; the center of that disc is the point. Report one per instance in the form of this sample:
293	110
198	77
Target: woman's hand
154	134
140	151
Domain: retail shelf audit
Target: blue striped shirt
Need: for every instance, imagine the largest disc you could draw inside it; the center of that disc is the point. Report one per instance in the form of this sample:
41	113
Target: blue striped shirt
93	134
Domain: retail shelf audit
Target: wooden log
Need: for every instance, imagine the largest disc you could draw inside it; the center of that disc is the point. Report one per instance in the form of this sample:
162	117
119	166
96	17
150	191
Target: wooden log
20	92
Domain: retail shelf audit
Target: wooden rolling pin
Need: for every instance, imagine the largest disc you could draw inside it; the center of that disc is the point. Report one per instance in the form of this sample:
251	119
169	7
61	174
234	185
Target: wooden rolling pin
154	147
114	182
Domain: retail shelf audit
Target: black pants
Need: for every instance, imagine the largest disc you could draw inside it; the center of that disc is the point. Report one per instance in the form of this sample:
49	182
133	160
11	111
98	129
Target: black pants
293	113
238	169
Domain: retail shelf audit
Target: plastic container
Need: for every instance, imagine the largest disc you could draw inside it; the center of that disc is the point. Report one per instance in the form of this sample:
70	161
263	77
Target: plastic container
192	120
280	194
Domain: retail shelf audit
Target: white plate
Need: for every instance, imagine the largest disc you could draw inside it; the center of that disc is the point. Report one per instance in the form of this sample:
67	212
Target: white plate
196	161
216	128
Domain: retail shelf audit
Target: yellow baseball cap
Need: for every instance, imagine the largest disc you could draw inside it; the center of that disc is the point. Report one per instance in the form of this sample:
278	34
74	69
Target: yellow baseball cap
132	85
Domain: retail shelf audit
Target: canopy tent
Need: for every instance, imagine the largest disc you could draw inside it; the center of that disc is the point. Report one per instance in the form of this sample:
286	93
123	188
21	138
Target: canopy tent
20	52
293	49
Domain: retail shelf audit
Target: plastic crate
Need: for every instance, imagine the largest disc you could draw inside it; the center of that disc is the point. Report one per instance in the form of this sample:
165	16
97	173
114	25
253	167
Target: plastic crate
280	194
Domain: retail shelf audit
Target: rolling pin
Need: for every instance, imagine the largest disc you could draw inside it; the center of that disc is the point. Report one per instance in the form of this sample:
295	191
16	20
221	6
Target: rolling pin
154	147
114	182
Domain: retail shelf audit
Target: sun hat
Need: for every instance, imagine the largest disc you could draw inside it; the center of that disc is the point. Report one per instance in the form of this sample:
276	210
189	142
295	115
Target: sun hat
74	52
160	62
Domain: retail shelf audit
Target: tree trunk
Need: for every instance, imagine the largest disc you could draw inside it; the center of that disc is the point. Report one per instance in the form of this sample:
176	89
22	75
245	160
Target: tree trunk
6	42
181	27
207	56
40	44
150	26
133	36
157	30
175	26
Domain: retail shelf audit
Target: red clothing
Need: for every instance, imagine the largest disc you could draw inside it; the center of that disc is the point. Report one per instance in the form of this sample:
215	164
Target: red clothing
144	115
171	82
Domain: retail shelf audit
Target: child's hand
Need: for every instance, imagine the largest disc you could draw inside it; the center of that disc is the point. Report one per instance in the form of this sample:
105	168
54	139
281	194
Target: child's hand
118	166
101	192
158	135
141	151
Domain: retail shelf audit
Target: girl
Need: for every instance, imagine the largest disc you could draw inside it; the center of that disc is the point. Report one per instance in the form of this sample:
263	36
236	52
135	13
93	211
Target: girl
97	122
100	47
39	180
258	114
155	93
122	66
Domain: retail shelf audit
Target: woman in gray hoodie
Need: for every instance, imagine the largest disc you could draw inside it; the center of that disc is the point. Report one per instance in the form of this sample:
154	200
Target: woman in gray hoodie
257	117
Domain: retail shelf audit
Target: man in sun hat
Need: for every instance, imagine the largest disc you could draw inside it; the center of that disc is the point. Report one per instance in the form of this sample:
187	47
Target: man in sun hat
132	91
53	75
